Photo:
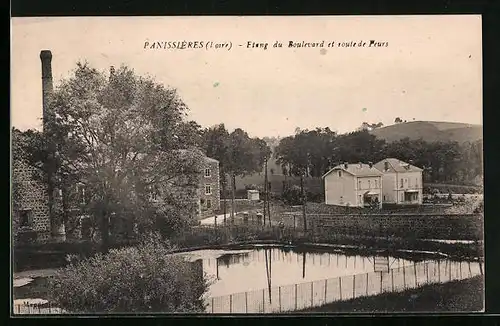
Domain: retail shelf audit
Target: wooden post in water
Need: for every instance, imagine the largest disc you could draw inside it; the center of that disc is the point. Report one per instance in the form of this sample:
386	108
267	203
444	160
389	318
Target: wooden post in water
246	302
460	268
470	271
212	305
427	272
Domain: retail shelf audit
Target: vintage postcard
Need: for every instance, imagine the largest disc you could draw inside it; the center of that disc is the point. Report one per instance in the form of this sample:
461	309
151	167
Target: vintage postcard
242	165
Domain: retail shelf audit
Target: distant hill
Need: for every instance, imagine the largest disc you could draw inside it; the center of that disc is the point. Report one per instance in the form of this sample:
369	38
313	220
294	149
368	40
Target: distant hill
430	131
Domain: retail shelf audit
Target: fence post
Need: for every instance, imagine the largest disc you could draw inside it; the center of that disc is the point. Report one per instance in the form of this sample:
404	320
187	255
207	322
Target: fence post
460	268
392	280
295	296
246	302
263	300
230	303
366	284
326	287
354	286
470	271
439	271
415	272
449	270
380	282
279	297
312	294
212	304
340	287
480	268
404	278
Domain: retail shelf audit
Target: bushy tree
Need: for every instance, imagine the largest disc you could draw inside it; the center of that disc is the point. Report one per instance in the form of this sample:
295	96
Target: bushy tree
125	139
146	278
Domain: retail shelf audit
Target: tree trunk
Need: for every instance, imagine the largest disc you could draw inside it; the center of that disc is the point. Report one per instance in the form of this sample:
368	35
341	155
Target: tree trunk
224	194
104	228
265	192
304	201
233	190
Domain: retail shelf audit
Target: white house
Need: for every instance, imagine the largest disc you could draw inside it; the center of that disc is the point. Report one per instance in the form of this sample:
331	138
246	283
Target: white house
402	182
353	185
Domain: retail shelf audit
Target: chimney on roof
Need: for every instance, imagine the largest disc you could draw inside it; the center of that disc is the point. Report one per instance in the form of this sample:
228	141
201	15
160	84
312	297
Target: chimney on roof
370	164
47	85
346	165
111	72
386	166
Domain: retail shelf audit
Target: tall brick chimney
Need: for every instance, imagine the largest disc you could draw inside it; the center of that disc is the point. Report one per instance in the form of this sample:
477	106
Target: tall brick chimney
47	84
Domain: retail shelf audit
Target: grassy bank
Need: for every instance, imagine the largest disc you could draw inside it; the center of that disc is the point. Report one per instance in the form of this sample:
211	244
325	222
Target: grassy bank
466	295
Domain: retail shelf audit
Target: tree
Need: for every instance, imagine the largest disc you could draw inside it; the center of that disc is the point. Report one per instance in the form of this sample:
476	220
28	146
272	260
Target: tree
246	156
124	137
398	120
146	278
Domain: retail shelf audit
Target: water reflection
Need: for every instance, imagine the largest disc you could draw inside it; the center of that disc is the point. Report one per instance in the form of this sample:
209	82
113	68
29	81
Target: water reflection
235	272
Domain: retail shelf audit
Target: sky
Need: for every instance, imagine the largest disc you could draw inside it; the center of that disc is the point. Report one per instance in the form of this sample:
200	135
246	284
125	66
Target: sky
431	68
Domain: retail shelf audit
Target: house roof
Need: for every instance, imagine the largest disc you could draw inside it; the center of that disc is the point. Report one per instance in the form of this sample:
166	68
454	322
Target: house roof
206	158
396	165
356	169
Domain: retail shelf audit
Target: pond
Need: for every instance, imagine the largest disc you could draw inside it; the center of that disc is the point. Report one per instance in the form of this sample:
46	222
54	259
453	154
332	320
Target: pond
278	279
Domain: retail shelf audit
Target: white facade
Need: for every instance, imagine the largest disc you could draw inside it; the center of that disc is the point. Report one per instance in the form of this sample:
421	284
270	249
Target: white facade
357	185
402	182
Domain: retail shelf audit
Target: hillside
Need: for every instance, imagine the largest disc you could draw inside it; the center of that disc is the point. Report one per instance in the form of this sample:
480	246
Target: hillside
431	131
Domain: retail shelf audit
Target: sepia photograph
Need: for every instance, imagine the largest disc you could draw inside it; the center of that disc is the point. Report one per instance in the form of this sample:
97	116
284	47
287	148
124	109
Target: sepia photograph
224	165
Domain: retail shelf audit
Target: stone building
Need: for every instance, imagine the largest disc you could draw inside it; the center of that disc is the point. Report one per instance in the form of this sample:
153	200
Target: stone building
209	187
30	211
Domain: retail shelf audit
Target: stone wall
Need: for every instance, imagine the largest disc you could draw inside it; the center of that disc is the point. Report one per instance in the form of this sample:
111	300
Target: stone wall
31	197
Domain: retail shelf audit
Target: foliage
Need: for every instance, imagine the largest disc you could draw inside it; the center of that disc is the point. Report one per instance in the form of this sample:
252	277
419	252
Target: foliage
292	195
145	278
312	153
125	140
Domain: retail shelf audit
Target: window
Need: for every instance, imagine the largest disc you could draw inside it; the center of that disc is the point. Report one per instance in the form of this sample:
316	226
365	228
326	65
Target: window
25	217
209	203
208	190
384	197
402	183
416	182
360	199
359	184
207	173
369	184
340	174
376	183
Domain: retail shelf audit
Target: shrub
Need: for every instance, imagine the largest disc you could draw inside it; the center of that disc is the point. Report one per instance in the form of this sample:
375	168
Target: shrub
145	278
